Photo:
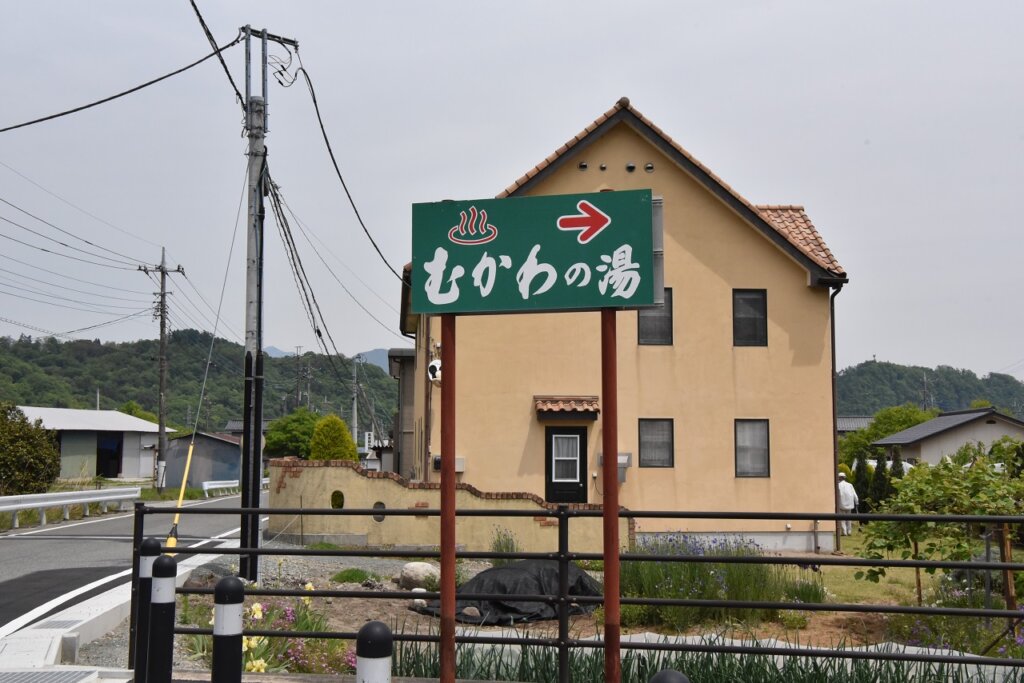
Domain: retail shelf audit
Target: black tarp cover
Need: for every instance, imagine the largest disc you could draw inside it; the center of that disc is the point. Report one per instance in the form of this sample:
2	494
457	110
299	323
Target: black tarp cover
526	577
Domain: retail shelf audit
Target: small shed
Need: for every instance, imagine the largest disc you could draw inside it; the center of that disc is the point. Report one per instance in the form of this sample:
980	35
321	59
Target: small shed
943	435
104	443
215	457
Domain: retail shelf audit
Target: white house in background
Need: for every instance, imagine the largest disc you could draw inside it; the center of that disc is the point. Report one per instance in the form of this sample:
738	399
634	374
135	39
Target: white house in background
106	443
943	435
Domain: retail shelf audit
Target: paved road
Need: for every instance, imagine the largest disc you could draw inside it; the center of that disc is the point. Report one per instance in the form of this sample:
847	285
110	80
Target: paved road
46	569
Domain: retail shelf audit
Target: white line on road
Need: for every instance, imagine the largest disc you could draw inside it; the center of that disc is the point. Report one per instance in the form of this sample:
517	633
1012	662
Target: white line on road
27	618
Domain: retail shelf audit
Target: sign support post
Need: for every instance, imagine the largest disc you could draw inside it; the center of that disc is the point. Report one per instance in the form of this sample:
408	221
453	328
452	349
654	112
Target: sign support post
448	498
610	507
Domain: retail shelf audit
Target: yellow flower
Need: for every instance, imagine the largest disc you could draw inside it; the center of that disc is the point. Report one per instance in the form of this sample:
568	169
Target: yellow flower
213	612
308	601
309	586
257	611
256	666
251	643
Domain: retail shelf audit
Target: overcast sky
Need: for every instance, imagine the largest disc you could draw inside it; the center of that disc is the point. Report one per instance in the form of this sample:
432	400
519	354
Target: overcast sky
898	125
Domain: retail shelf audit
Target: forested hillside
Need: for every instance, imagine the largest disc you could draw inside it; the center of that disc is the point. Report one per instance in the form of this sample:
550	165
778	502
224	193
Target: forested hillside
866	388
48	372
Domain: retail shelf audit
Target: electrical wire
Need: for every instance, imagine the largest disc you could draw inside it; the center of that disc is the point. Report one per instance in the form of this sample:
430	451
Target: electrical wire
50	303
213	44
68	233
307	231
71	289
75	206
215	53
337	170
32	290
64	244
104	324
88	282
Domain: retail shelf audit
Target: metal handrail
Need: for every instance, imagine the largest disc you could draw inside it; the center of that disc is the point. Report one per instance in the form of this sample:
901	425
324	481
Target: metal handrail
64	499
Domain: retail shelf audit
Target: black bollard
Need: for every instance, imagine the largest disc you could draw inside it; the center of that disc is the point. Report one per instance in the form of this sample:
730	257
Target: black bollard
161	621
228	596
149	550
669	676
374	646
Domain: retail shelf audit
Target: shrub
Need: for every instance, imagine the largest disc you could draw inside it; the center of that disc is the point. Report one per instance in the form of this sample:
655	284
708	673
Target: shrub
353	575
503	541
29	459
332	440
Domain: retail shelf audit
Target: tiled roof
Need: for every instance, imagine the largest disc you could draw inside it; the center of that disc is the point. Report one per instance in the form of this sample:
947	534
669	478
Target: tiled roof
942	423
794	223
851	423
567	404
790	222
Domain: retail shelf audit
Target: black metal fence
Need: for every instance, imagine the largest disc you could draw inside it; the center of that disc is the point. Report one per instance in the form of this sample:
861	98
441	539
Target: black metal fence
562	600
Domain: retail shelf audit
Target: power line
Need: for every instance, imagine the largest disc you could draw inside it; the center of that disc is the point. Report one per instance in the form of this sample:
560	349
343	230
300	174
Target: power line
57	253
344	185
307	231
70	289
109	322
216	53
213	44
33	290
50	303
68	233
75	206
63	244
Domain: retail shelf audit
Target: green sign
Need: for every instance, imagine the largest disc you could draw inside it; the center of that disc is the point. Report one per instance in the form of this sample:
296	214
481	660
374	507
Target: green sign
529	254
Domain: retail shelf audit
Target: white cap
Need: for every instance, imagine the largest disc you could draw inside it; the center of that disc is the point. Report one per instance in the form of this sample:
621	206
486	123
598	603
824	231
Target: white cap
842	475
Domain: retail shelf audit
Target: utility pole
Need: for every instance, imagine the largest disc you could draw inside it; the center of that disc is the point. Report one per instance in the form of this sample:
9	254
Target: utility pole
355	402
256	126
298	376
161	455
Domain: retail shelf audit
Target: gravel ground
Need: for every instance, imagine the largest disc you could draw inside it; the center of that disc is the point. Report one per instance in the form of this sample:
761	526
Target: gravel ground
285	572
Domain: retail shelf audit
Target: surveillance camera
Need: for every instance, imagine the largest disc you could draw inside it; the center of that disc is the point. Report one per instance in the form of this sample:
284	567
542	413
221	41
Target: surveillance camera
434	372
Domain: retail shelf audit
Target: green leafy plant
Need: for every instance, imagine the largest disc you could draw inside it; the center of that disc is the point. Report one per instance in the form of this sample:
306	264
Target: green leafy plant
29	459
503	541
353	575
331	440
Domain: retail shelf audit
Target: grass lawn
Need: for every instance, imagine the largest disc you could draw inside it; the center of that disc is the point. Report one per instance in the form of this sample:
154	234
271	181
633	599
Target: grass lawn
896	587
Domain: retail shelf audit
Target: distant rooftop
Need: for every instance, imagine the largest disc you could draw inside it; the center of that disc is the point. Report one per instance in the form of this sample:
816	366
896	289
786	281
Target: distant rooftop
75	419
942	423
851	423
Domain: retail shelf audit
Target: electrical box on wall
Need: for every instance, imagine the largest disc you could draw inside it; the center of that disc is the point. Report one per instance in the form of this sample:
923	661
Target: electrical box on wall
624	460
460	463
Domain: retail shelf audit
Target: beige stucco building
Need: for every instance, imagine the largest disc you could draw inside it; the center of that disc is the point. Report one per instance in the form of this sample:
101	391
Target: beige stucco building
725	393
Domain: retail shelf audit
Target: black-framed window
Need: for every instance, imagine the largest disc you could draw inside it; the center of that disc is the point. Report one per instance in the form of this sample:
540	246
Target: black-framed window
752	449
749	317
657	443
654	324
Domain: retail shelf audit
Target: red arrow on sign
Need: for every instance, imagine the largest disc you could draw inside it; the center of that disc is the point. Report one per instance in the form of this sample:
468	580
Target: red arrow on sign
589	222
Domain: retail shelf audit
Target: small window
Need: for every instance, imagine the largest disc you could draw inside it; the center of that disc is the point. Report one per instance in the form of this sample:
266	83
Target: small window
565	458
749	317
656	443
654	324
752	448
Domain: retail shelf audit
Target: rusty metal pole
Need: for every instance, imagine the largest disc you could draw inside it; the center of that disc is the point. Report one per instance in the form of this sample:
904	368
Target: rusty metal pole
448	498
609	469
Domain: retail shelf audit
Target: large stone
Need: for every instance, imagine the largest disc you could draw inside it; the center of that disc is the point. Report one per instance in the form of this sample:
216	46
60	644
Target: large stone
418	574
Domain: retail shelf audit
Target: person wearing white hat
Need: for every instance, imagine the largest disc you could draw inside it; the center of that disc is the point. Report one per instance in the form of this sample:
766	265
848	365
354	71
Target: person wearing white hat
847	503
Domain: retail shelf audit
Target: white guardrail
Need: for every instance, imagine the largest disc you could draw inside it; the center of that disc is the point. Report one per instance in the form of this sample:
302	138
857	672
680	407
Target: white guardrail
228	485
65	499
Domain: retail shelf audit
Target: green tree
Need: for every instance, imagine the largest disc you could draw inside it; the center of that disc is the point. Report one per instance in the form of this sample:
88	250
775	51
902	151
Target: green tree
896	470
947	488
878	489
332	440
29	459
290	435
862	479
134	409
886	422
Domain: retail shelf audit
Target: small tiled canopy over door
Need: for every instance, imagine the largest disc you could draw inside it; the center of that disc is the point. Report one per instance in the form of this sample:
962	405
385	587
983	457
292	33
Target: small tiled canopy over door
565	468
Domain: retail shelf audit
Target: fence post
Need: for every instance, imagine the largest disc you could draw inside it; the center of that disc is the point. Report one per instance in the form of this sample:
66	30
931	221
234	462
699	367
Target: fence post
374	646
228	596
161	621
563	594
42	516
142	595
669	676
